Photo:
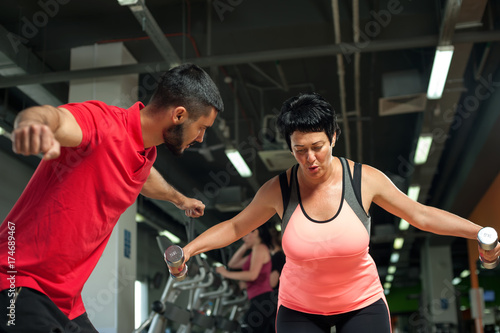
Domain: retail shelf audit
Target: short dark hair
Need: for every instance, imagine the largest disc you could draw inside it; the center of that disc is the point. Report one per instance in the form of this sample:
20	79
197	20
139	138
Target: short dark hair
307	113
265	235
189	86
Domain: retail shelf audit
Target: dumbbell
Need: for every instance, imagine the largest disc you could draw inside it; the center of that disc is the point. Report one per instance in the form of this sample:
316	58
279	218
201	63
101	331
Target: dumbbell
174	257
488	239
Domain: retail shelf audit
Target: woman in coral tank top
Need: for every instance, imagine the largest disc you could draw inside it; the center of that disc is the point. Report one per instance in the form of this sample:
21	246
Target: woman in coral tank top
329	278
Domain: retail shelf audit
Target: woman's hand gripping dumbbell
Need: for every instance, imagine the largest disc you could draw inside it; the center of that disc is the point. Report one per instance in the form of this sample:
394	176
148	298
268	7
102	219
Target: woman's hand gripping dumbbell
487	239
174	257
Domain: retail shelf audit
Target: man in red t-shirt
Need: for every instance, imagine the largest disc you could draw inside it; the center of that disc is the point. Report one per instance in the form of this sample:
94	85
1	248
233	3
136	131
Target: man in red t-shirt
96	160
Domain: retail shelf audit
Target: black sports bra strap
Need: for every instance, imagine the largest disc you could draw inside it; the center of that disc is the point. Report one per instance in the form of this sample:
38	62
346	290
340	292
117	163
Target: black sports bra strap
289	195
356	182
285	190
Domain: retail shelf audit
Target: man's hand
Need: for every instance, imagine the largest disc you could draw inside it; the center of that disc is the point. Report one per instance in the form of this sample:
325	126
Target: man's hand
35	138
192	207
43	130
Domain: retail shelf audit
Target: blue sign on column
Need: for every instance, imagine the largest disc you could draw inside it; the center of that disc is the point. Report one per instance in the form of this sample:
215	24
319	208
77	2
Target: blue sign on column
128	243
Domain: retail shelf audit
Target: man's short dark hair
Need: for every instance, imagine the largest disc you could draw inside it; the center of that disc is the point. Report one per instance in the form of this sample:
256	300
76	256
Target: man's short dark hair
189	86
307	113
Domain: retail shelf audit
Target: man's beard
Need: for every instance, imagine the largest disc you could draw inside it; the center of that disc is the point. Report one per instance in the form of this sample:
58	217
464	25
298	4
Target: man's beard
173	138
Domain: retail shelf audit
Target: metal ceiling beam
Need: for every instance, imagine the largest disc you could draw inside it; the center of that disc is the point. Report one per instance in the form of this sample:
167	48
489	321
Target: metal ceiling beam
17	60
151	27
265	76
245	58
341	78
450	19
357	82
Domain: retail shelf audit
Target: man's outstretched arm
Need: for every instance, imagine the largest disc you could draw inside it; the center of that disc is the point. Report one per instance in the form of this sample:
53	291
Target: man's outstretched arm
43	130
156	187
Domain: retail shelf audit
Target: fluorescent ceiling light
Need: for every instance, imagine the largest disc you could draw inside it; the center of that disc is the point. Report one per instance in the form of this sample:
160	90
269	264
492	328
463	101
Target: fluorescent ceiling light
127	2
238	162
389	278
5	133
414	191
423	149
456	281
173	238
440	68
403	225
387	285
398	243
141	302
391	269
394	258
139	218
465	274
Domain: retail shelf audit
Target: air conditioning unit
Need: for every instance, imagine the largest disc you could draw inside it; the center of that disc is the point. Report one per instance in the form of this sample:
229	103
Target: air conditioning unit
402	104
276	155
277	160
403	92
270	134
231	199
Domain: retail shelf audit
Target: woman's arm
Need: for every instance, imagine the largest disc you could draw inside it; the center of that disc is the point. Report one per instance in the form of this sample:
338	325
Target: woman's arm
274	278
238	259
260	255
384	193
264	205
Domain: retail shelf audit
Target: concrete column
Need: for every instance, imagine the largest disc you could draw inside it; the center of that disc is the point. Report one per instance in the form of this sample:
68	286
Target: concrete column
109	293
439	299
115	90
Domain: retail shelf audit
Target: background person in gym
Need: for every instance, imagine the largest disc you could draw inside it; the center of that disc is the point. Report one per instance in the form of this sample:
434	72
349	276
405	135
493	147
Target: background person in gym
329	278
96	160
277	258
255	271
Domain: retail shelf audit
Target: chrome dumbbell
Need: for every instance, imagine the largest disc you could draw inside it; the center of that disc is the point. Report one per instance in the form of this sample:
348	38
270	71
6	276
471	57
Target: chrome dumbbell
174	257
488	239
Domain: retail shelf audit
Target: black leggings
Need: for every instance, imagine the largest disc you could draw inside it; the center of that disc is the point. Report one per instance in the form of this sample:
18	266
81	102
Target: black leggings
371	319
261	315
34	312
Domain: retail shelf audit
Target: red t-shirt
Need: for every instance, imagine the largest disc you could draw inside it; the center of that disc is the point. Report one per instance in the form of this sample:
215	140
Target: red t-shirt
64	218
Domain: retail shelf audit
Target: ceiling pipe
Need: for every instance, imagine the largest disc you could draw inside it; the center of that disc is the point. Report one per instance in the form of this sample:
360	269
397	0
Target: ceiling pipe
341	75
245	58
357	85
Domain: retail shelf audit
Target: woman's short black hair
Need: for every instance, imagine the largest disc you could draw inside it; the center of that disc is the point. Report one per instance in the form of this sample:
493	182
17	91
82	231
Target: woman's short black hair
307	113
189	86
